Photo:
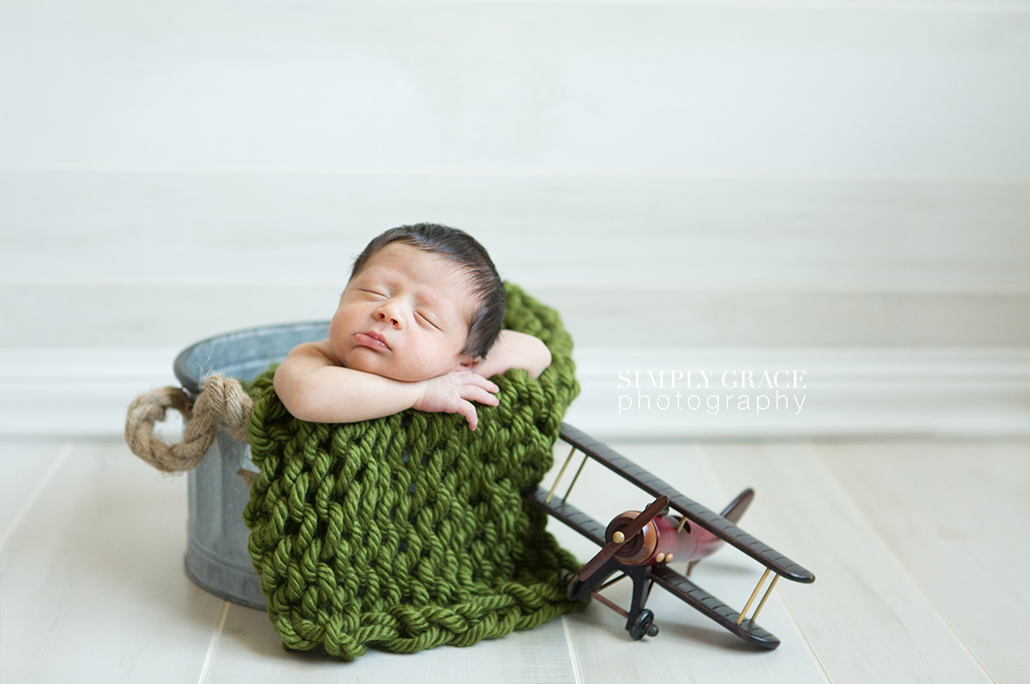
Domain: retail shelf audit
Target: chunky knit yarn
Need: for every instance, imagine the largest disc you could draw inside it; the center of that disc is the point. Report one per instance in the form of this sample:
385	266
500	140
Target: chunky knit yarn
411	531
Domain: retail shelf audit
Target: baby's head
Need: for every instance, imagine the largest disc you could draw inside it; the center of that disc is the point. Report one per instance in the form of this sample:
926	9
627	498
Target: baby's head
421	299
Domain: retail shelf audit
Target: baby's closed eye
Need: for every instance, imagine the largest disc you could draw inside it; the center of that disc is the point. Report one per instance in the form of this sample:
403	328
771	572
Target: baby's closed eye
426	319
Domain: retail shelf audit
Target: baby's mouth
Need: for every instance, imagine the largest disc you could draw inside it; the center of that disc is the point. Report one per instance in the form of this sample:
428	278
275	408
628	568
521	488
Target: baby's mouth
371	339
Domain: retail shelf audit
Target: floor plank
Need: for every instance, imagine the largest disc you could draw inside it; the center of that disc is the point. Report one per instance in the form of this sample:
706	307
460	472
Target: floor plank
26	464
249	651
864	617
92	587
955	514
91	582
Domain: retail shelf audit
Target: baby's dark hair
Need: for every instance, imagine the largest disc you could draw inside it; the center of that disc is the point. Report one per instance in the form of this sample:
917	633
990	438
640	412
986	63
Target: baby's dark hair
462	248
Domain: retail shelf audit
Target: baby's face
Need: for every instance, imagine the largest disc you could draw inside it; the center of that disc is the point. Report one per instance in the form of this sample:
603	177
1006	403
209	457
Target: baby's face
404	315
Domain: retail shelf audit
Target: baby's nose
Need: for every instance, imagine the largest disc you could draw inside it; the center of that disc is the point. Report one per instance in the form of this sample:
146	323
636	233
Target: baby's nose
388	314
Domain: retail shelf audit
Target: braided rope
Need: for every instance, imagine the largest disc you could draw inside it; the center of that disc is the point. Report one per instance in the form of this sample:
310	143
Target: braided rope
411	531
220	398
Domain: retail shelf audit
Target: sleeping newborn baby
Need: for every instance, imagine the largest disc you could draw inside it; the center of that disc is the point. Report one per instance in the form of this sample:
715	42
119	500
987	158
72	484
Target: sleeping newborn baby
418	326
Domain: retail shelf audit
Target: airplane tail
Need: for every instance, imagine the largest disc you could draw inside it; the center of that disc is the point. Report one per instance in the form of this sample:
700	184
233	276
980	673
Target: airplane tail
733	512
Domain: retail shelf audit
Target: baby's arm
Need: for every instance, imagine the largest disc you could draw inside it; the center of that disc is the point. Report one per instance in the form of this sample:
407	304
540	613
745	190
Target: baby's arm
314	388
515	350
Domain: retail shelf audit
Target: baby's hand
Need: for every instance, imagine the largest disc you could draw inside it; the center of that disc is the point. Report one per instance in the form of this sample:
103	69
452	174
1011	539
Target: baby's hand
515	350
454	392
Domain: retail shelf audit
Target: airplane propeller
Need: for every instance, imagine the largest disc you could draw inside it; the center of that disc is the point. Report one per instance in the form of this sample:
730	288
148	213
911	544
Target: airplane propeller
621	537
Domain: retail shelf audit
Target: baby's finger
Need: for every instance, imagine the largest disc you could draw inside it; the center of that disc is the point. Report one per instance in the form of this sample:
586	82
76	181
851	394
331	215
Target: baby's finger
480	381
469	411
472	393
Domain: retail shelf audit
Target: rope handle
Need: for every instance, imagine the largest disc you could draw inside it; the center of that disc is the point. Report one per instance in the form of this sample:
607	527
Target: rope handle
220	397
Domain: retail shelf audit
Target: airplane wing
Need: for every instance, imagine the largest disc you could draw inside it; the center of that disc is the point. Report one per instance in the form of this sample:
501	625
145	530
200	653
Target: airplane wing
693	511
712	607
571	516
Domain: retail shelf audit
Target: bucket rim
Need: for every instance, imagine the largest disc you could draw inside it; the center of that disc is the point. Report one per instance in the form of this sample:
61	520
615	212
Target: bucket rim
191	383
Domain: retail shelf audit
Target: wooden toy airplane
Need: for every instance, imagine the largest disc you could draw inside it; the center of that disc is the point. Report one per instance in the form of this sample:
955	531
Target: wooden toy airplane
640	546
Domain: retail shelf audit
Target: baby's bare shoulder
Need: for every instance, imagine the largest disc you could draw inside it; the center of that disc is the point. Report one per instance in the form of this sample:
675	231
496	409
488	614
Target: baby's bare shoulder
315	353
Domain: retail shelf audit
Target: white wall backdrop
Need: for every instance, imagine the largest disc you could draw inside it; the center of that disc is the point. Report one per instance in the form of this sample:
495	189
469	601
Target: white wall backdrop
679	175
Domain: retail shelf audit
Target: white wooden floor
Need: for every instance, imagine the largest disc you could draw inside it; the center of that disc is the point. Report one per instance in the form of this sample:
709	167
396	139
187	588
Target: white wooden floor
919	547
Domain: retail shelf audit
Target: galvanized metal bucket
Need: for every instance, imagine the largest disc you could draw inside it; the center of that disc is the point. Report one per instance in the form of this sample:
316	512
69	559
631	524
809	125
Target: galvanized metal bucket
216	552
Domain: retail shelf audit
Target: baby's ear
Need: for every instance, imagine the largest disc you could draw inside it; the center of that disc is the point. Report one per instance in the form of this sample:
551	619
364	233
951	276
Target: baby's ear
471	364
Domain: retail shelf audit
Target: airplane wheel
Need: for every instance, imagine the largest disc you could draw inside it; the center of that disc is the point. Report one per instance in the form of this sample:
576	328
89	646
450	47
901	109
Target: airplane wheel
643	625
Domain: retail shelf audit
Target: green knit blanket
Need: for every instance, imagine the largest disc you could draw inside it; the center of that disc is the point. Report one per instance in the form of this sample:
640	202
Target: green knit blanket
411	531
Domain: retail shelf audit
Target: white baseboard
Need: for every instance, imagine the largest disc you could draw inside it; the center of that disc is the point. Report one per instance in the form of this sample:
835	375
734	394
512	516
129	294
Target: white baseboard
846	392
78	391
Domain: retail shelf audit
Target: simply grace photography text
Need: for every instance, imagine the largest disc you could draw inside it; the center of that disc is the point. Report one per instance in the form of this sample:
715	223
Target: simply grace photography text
694	390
